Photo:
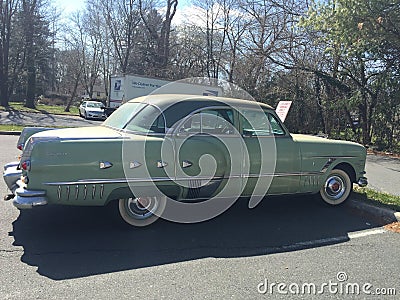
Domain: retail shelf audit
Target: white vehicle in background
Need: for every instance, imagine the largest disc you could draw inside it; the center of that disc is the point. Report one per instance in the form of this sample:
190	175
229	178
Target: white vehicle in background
126	87
92	110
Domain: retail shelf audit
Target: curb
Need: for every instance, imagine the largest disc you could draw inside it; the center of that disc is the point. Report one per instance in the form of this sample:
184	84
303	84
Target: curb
384	214
10	132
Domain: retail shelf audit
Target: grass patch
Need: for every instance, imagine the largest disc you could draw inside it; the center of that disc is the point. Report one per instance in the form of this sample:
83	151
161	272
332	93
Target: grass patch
377	198
11	127
42	108
18	128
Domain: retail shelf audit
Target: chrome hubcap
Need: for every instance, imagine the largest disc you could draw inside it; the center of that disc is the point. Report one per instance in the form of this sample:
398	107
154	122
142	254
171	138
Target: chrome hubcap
335	187
142	207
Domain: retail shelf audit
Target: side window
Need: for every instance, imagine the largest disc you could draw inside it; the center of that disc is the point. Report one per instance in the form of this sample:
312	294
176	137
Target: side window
275	125
260	123
212	121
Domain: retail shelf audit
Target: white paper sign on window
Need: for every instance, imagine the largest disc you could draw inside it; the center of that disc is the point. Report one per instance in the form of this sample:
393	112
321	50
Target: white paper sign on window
282	109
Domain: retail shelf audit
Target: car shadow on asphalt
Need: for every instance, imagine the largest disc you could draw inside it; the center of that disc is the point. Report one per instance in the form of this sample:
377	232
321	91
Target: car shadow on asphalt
71	242
18	117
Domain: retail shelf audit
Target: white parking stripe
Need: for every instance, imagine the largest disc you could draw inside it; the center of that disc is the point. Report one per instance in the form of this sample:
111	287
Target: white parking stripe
358	234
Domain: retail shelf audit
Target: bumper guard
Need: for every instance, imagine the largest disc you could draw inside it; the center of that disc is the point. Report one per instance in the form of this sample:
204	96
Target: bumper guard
26	199
22	198
11	175
362	182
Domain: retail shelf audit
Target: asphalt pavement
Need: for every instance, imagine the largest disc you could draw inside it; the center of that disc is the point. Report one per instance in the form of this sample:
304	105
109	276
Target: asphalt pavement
66	252
383	173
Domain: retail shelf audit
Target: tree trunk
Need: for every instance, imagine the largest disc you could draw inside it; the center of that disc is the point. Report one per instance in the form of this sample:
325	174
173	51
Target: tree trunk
73	94
29	14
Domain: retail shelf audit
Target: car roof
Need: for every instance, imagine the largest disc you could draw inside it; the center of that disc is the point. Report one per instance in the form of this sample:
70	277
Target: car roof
163	101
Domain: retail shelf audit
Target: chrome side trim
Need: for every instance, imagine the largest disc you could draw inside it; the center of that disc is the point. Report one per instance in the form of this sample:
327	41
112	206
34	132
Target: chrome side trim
134	164
186	164
159	179
105	164
101	191
283	174
334	157
76	192
327	164
161	164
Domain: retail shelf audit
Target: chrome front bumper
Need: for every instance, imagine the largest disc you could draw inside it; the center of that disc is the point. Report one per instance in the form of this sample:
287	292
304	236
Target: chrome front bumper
362	182
23	198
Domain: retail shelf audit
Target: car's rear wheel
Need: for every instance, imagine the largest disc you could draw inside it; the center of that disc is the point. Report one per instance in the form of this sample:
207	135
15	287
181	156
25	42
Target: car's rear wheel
141	211
337	187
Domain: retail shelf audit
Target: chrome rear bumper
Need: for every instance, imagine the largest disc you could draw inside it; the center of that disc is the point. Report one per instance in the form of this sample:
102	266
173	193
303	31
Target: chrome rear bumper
11	175
23	198
26	199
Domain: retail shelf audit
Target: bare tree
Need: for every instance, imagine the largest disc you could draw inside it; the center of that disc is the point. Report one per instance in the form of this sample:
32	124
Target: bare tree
161	36
122	19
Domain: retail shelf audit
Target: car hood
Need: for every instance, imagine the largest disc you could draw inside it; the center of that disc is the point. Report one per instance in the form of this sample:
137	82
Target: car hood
314	146
95	132
319	140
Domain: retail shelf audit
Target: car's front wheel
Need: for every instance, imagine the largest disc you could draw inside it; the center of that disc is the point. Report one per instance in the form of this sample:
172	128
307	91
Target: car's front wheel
141	211
337	187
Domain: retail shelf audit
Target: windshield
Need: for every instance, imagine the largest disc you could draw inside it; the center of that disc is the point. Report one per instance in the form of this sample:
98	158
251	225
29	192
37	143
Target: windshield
94	104
123	114
147	120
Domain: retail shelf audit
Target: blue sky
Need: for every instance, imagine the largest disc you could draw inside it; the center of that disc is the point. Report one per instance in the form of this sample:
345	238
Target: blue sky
69	6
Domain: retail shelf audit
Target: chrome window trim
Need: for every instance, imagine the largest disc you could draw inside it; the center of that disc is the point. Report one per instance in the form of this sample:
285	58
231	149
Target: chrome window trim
266	111
175	131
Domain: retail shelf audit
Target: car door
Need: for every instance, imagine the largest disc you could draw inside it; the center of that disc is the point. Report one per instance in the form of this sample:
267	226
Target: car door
271	156
148	153
208	155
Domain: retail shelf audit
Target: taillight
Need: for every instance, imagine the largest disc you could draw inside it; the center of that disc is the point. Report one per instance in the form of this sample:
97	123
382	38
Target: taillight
20	147
26	165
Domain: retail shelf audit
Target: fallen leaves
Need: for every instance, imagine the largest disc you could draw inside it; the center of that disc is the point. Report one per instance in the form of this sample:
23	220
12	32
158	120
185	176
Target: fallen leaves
395	227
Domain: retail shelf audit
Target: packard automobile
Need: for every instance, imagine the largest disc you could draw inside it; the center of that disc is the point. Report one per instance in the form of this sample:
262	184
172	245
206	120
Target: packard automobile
185	149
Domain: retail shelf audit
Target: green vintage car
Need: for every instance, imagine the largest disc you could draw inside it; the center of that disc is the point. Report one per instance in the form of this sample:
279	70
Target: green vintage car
185	157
